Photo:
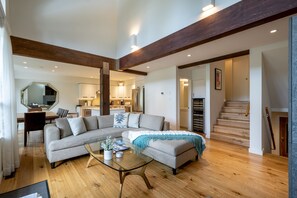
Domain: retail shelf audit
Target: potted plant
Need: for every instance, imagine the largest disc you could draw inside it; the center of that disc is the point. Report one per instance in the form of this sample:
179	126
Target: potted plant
107	145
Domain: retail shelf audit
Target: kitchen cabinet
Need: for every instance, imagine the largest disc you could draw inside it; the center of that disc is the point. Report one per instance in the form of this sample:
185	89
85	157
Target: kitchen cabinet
121	92
128	92
113	92
87	90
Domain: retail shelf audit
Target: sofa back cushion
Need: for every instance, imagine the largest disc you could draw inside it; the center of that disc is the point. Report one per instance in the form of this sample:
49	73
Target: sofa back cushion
63	125
133	121
152	122
91	123
105	121
120	120
77	125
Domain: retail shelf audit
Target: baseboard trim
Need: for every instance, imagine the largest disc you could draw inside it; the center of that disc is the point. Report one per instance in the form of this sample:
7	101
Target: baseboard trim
256	151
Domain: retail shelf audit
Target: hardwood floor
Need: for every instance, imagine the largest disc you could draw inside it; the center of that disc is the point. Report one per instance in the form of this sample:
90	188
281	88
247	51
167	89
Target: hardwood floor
225	170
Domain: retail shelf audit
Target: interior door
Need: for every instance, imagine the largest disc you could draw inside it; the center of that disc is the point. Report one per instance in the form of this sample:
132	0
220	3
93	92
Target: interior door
283	139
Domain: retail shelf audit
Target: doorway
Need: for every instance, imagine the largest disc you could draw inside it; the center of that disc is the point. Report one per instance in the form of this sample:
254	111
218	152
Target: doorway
283	140
184	104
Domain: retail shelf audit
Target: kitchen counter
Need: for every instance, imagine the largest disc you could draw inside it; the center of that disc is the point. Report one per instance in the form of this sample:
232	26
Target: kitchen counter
95	110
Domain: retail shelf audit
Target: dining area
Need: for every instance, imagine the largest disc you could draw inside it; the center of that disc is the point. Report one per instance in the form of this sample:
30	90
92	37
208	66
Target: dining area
36	119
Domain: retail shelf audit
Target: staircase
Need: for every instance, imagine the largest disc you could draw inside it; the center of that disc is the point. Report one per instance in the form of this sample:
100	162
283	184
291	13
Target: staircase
233	124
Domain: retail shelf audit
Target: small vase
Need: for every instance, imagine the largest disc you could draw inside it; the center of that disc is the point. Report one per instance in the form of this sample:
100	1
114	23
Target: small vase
108	155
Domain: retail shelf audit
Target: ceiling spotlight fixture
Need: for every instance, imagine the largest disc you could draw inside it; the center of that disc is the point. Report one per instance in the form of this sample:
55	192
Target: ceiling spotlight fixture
25	62
273	31
147	67
53	70
134	41
56	66
26	67
121	83
189	55
208	4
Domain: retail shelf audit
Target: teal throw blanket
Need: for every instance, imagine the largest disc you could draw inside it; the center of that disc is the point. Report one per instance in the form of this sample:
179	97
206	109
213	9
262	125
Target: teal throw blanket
143	141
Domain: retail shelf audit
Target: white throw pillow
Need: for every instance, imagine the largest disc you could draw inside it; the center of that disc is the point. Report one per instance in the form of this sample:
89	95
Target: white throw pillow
77	125
133	121
120	120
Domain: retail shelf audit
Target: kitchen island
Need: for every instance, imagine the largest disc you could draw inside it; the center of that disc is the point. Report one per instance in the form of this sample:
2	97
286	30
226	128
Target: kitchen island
96	111
85	111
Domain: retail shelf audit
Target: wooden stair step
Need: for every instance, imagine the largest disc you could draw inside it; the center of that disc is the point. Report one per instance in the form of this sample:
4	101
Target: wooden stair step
232	130
234	123
236	104
234	139
234	116
233	110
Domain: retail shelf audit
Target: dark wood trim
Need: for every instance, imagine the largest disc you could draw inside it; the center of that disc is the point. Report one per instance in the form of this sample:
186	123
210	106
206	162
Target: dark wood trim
241	16
135	72
104	89
35	49
219	58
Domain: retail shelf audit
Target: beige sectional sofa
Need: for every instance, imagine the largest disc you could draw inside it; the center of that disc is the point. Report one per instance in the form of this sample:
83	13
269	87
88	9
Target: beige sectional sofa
65	139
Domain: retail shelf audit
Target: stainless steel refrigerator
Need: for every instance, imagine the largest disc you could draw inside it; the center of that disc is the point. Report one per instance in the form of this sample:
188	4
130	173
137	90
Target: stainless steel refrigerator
137	100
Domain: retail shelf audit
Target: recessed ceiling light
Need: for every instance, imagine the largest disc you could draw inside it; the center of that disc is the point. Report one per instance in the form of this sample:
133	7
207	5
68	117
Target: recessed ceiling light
26	67
189	55
92	76
53	70
273	31
25	62
147	67
56	66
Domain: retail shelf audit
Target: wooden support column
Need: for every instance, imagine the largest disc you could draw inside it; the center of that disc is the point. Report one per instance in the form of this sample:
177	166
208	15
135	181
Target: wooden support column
104	89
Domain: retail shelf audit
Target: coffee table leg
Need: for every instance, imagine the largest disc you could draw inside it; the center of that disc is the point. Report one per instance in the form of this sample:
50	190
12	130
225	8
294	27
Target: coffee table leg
122	179
140	172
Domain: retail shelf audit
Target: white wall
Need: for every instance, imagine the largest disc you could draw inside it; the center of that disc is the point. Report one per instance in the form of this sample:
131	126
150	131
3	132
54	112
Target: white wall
158	82
88	26
216	97
266	136
260	92
275	60
240	78
228	79
237	78
198	82
154	19
66	86
256	107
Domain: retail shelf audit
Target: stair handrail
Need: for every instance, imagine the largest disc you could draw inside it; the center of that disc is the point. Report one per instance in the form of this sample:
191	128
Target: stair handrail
247	111
270	128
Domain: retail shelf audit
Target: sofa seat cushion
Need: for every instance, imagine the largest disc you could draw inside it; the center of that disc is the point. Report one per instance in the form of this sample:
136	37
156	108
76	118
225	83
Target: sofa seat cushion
171	147
87	137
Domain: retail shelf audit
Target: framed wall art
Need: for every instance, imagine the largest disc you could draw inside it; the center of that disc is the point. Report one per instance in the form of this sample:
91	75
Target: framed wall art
218	79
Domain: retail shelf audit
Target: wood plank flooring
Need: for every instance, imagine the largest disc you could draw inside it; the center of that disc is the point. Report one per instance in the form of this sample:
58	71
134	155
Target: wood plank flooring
225	170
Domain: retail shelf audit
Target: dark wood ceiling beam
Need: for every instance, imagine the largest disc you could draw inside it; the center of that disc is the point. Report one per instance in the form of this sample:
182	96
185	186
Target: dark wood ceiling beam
34	49
130	71
211	60
238	17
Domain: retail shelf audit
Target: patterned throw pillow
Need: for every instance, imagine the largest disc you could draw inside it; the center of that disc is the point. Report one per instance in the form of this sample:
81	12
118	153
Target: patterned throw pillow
120	120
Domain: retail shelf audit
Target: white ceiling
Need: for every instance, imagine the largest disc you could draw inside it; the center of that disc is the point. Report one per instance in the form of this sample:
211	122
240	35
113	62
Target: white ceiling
39	66
248	39
255	37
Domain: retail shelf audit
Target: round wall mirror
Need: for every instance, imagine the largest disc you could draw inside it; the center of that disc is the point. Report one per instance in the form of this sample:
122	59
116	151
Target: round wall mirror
38	94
